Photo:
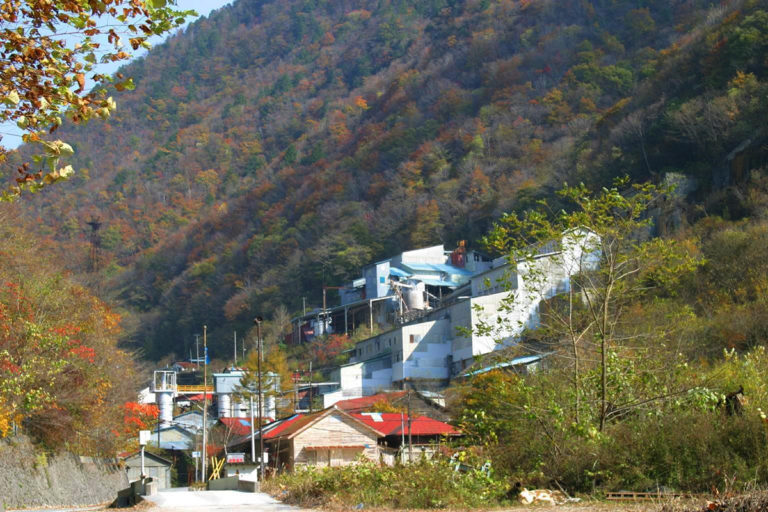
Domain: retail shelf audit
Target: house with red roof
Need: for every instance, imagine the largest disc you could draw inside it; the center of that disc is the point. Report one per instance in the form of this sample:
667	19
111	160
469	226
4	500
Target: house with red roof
420	402
368	403
334	437
330	437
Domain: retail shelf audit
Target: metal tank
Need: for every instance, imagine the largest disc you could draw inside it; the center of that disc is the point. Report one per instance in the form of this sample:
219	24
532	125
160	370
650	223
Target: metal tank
414	297
164	386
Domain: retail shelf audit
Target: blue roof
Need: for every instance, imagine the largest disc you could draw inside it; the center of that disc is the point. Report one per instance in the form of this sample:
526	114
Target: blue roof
439	282
420	266
438	267
518	361
394	271
451	269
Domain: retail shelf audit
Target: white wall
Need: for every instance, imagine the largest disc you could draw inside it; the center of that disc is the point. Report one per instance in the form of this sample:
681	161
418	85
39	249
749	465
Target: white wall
434	254
424	348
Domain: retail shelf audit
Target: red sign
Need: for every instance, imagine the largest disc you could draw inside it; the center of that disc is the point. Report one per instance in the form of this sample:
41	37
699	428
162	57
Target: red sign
235	458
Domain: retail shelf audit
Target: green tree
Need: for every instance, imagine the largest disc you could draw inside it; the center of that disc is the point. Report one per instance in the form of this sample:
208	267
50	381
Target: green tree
612	265
45	52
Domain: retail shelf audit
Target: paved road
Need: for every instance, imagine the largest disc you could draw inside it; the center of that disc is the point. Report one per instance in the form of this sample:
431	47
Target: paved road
205	501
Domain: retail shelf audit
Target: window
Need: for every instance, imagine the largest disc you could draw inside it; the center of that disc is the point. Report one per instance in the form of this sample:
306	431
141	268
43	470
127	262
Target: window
413	338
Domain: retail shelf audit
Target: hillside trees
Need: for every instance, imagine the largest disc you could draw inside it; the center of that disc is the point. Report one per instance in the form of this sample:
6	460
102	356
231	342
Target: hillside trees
330	151
62	379
47	50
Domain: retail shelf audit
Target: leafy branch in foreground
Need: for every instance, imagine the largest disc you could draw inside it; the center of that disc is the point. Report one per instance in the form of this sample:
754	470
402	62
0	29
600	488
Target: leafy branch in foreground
46	50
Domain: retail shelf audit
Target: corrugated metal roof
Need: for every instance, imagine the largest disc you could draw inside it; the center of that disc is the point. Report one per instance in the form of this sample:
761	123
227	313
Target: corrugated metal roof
396	424
438	267
237	426
451	269
518	361
394	271
289	428
439	282
353	405
423	267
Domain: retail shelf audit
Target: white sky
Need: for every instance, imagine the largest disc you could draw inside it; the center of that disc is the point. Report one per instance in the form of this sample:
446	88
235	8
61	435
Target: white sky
12	135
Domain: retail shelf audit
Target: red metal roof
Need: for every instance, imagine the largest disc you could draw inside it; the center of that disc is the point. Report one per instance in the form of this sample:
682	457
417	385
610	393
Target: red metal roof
294	424
198	397
391	424
238	426
365	403
282	427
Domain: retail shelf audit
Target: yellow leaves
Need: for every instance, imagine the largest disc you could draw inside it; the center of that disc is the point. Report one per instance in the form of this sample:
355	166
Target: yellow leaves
361	103
6	424
12	98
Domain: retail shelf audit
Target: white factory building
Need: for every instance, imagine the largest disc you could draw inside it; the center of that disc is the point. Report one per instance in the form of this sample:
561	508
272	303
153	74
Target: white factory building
435	345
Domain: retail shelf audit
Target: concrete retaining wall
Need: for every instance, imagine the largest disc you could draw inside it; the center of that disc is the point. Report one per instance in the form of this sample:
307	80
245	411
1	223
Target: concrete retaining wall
31	478
232	483
223	484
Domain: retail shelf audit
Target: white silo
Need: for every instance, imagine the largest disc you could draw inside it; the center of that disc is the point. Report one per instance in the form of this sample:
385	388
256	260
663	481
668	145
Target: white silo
164	387
225	405
414	296
226	385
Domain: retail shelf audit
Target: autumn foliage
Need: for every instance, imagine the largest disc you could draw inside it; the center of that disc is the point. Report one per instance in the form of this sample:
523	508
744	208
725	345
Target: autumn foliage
275	147
62	379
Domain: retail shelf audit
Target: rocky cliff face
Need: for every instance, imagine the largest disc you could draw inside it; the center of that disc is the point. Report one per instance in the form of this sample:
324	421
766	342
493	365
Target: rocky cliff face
31	478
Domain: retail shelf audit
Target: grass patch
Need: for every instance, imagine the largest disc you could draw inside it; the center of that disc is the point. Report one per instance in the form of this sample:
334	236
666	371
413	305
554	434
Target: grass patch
421	485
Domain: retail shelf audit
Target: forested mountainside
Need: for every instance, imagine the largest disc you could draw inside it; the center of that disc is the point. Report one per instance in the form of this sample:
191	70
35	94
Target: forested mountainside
279	145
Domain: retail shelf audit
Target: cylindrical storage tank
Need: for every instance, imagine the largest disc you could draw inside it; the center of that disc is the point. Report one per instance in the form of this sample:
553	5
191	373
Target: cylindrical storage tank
414	297
165	407
224	405
241	410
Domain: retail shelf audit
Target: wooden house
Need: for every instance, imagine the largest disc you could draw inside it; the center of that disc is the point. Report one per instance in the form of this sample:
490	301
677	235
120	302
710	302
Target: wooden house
330	437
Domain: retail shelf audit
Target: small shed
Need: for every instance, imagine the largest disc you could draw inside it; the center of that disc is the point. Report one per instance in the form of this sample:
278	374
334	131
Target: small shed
154	466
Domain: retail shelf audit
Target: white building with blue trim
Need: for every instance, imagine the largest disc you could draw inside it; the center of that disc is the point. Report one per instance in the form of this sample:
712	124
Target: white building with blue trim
437	344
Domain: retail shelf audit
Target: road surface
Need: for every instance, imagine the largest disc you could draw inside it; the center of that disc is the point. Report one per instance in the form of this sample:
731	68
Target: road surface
182	499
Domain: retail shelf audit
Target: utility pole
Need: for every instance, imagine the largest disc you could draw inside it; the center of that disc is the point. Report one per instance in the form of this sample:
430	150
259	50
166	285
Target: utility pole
258	321
402	436
296	379
204	455
253	439
310	387
410	439
303	306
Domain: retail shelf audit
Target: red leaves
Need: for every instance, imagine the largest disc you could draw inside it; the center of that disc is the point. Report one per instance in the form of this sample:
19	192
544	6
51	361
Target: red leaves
138	416
83	352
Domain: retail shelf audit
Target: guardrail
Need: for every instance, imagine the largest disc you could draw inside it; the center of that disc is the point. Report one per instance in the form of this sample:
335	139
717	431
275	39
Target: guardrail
194	389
